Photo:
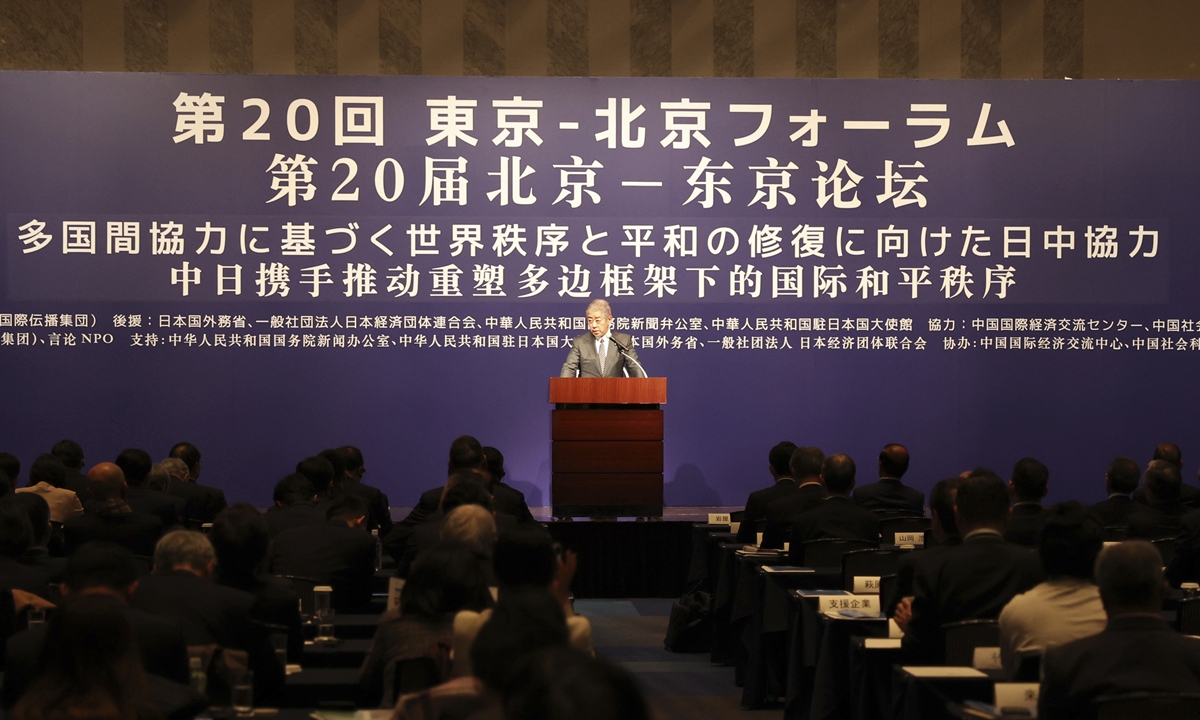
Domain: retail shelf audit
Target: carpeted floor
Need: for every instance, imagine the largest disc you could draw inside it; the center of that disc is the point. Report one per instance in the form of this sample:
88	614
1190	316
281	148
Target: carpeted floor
678	686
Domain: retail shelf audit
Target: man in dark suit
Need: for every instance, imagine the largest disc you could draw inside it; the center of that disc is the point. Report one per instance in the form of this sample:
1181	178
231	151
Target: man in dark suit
805	465
890	496
973	580
1171	453
837	516
1163	517
380	517
465	487
340	553
508	500
755	517
71	455
109	518
943	533
205	502
136	465
181	588
37	555
16	535
102	569
600	352
1029	483
1136	652
295	505
1119	482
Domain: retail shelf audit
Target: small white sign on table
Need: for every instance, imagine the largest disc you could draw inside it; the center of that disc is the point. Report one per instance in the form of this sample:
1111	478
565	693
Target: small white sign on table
718	519
1017	695
837	603
910	538
866	585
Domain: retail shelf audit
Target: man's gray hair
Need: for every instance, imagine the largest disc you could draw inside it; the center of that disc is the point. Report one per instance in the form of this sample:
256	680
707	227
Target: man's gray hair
183	547
1130	576
601	305
175	467
470	525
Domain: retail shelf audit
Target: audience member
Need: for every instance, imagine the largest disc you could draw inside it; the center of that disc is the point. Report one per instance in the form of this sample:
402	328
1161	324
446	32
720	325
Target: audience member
159	479
465	487
524	621
564	684
16	536
6	485
47	477
1163	517
805	466
973	580
507	499
10	465
1170	453
240	540
71	455
837	516
109	518
1066	605
1120	481
37	555
465	454
295	505
1028	486
754	519
140	497
201	503
943	533
108	570
339	553
890	496
1136	652
471	526
380	515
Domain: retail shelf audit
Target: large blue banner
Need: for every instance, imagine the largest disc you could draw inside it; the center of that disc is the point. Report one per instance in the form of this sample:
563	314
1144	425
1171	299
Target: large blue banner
267	266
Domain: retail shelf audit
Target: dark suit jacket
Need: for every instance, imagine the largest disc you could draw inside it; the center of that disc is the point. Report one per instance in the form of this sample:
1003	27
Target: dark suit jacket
836	517
165	507
338	555
299	515
511	501
1025	524
427	507
135	531
29	578
1152	522
201	503
969	581
1190	495
1114	512
77	483
582	357
380	515
1134	653
909	565
159	641
39	557
428	535
783	512
891	495
754	520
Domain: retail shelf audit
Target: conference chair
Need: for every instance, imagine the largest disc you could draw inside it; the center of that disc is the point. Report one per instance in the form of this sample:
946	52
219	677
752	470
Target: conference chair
303	587
1114	533
868	563
412	675
1138	706
887	593
888	527
963	637
1029	666
1187	619
825	553
1166	548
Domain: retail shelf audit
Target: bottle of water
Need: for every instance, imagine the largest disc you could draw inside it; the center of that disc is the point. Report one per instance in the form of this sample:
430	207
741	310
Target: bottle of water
199	679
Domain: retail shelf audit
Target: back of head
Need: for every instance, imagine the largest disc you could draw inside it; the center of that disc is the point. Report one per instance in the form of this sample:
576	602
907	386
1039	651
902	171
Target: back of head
69	452
338	461
806	462
294	488
239	539
942	499
38	511
838	472
565	684
466	490
105	482
981	501
352	458
1070	541
16	532
176	468
471	526
1029	480
319	472
522	623
780	458
1123	475
495	463
1169	452
1163	481
100	565
466	454
1130	577
158	478
183	548
443	580
188	453
893	460
135	464
10	465
48	469
524	556
347	508
6	485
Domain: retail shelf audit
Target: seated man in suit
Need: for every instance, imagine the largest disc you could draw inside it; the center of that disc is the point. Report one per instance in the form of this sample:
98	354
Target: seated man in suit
181	588
1066	606
943	533
1163	517
890	496
109	518
37	555
295	505
1170	452
203	502
339	553
1119	482
805	465
508	499
16	536
71	455
837	516
136	465
755	518
1028	486
464	487
600	352
380	517
47	478
970	581
1136	652
101	569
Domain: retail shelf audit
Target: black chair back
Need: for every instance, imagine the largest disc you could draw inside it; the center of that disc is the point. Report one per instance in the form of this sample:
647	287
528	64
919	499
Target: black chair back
1029	667
1138	706
825	553
888	527
1187	619
887	593
414	675
872	563
963	637
1166	548
303	587
143	564
1114	533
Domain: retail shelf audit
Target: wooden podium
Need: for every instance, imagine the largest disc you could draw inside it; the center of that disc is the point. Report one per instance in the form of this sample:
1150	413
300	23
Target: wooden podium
606	456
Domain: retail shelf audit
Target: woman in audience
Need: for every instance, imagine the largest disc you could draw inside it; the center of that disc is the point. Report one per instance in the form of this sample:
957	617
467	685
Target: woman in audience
443	581
473	527
565	684
525	620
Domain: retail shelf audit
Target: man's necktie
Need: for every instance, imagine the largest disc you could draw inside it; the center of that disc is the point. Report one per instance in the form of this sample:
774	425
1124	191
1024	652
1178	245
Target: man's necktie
603	354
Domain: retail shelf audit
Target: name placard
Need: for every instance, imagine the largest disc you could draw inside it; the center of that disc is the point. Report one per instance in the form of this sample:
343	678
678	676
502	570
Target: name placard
1022	695
863	603
910	538
986	658
866	585
718	519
